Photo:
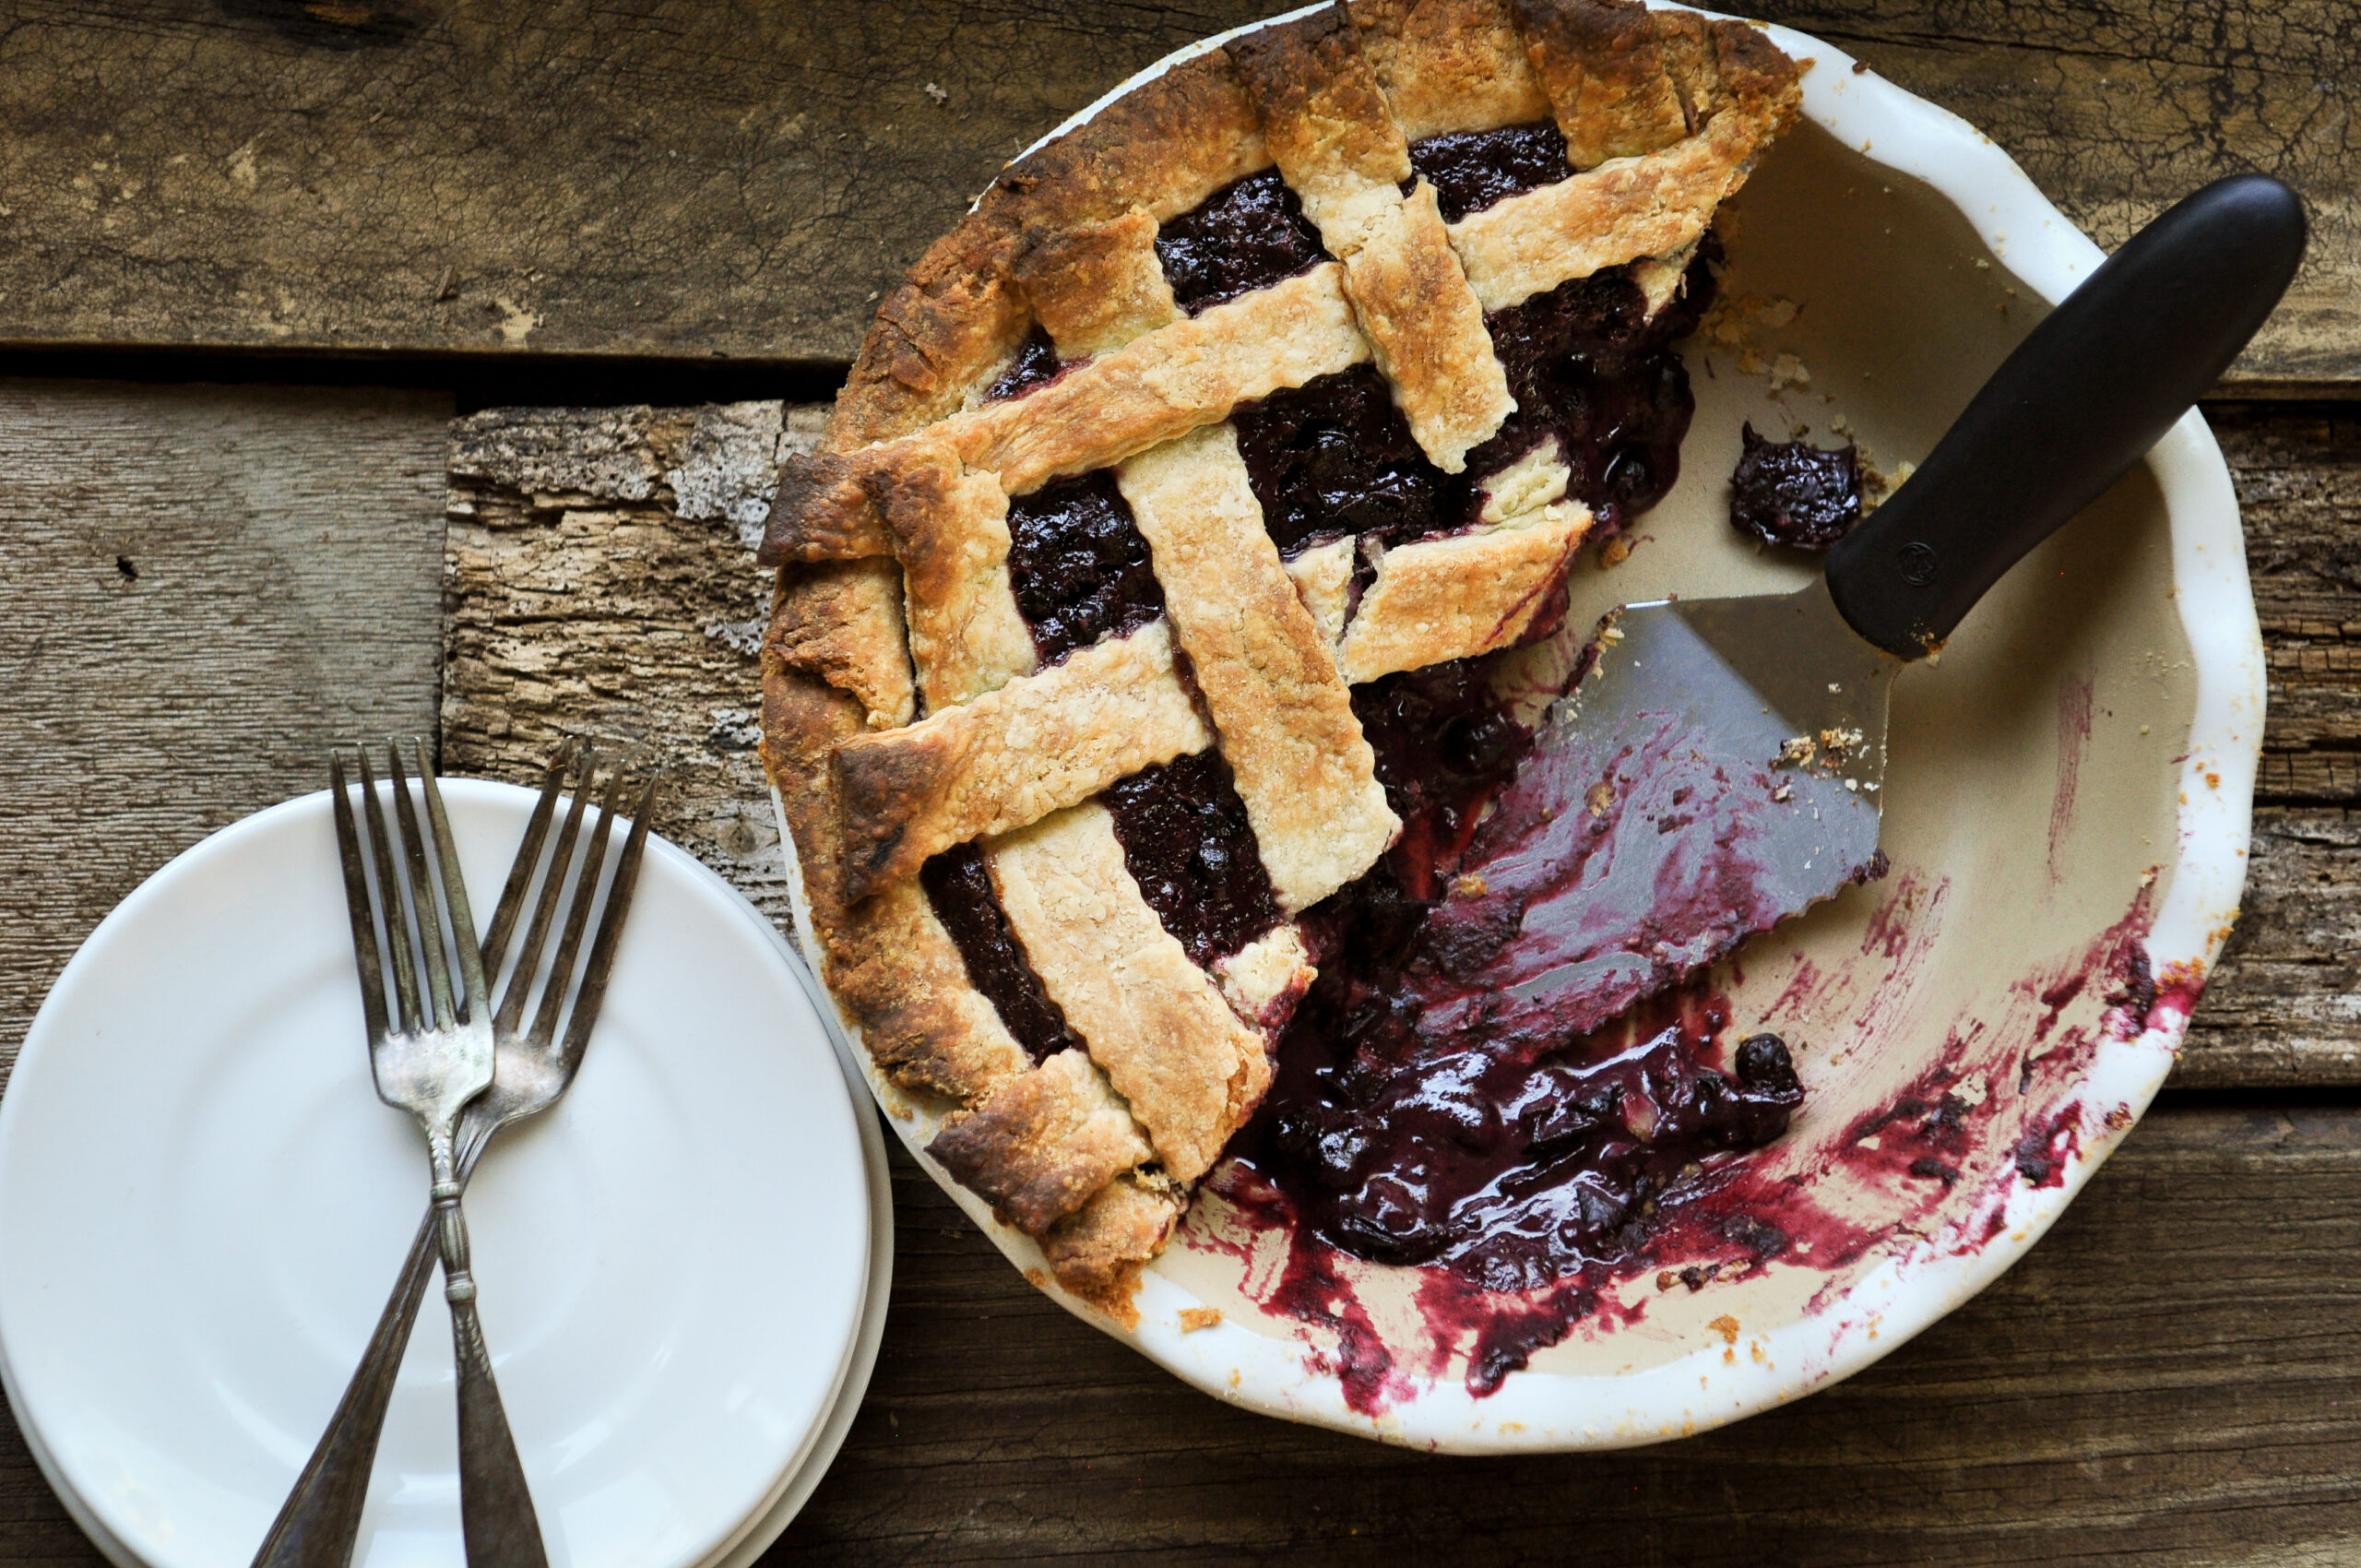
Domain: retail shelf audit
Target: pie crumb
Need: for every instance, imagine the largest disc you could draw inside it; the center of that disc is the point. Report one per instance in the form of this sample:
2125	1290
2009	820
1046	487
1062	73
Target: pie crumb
1195	1318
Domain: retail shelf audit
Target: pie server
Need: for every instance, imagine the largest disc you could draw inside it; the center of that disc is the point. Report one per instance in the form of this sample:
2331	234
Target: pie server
1735	748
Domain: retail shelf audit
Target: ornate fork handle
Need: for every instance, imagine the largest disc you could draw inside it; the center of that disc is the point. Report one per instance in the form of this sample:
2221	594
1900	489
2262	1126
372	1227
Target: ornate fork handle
496	1505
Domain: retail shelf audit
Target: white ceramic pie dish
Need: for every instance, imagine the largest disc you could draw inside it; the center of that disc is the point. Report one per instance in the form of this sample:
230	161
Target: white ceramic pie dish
2071	788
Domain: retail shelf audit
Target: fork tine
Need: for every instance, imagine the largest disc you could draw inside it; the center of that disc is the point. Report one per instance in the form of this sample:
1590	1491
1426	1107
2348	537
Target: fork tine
422	885
529	855
455	888
577	917
593	992
396	902
356	899
528	957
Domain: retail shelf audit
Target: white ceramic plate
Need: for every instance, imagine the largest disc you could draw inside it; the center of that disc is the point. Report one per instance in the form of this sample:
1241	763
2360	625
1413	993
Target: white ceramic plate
2071	795
202	1204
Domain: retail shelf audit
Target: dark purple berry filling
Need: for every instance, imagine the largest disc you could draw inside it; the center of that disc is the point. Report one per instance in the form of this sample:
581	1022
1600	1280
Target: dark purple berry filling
1036	362
1471	170
1079	565
1247	236
1336	457
1418	1116
961	891
1588	365
1795	493
1188	844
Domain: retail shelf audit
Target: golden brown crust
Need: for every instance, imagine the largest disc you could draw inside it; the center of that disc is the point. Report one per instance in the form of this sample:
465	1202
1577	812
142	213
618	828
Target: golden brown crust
888	962
1095	287
1044	1144
1630	208
1011	757
1189	374
1324	581
916	468
1460	596
1266	978
1285	717
938	334
950	530
840	621
1323	118
1097	1254
822	512
1426	329
1153	1021
1449	65
1601	62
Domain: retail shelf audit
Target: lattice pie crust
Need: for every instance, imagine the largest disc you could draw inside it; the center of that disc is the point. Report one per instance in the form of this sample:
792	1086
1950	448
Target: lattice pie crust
905	711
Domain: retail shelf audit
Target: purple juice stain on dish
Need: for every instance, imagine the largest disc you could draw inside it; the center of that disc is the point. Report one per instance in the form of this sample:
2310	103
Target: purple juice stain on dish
1078	564
1793	494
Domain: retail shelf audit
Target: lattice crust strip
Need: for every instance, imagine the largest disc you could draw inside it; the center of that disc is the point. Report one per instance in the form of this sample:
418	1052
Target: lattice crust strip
1283	713
1337	145
1664	114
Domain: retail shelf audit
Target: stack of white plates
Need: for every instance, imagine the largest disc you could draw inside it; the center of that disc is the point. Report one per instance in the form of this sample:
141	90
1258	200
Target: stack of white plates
203	1204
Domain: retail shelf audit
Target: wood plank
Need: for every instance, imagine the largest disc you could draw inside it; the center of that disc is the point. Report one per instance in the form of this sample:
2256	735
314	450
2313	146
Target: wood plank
601	577
2174	1375
207	587
740	179
2279	1011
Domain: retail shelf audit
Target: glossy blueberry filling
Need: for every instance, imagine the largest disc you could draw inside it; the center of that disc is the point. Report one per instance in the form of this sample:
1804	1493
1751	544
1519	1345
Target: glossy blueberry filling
1472	170
1188	844
1794	493
1036	363
1078	564
960	888
1247	236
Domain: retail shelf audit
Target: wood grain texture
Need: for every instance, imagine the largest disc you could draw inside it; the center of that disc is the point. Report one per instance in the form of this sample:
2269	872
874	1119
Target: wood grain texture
208	585
600	577
2173	1375
741	179
2281	1009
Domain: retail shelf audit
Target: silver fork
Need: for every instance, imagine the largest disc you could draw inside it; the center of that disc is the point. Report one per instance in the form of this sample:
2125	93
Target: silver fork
317	1526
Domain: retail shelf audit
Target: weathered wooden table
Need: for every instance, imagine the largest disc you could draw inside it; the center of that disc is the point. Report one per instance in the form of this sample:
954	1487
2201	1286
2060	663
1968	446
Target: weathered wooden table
256	256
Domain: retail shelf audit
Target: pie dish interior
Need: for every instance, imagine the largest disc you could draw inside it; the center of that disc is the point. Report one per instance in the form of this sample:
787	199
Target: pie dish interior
1972	1033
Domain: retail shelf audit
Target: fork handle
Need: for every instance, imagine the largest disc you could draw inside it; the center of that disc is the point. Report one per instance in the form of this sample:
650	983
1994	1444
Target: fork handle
496	1513
318	1523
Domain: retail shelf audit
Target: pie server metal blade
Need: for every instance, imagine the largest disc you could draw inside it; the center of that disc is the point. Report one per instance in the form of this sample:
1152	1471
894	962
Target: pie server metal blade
1761	721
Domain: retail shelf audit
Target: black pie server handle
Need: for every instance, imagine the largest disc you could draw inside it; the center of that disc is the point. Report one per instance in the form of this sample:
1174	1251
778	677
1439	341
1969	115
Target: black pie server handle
2082	399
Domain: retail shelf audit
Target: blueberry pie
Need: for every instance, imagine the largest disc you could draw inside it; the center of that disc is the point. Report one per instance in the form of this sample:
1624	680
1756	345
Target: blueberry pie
1127	686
